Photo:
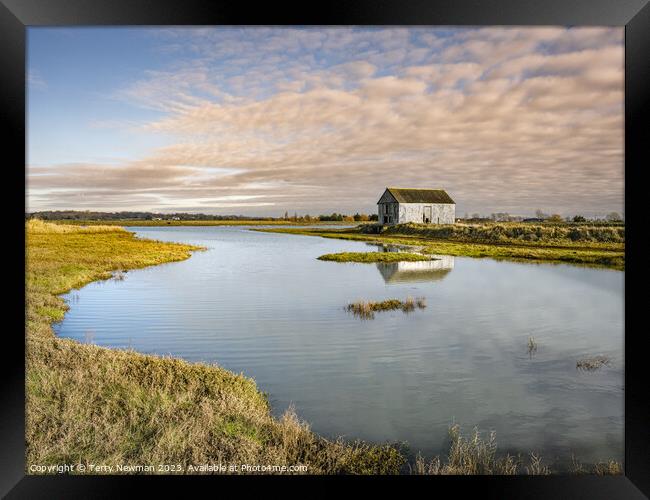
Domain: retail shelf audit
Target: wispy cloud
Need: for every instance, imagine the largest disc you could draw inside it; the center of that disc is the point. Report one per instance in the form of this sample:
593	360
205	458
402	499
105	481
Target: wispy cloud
505	119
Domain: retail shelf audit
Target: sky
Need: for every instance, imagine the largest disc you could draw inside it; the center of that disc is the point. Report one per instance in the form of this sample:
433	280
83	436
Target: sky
259	121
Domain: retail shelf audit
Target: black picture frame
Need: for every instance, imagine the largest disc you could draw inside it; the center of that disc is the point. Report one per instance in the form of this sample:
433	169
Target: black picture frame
16	15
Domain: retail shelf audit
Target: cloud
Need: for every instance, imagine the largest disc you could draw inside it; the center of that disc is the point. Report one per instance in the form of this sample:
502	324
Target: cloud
505	119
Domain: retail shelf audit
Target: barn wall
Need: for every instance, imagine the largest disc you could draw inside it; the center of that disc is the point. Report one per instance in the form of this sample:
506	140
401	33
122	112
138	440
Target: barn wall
441	213
388	209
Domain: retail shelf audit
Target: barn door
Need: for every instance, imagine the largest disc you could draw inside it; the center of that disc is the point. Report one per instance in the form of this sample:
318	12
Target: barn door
427	214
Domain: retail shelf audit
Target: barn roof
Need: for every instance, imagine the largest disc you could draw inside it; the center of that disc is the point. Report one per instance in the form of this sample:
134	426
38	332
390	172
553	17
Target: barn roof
409	195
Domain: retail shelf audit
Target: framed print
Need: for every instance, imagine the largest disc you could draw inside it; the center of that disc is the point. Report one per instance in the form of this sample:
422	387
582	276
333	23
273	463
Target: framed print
385	240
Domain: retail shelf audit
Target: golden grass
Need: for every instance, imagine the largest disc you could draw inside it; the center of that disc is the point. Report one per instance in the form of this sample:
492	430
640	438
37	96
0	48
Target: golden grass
37	226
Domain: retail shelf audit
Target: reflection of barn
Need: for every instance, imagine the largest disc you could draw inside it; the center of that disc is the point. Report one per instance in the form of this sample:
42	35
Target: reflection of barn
427	270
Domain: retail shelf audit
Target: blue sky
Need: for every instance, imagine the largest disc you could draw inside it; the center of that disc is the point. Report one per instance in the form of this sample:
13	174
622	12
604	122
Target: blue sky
263	120
75	73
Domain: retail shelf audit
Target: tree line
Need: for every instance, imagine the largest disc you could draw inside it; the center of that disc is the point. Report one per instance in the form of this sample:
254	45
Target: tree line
540	216
91	215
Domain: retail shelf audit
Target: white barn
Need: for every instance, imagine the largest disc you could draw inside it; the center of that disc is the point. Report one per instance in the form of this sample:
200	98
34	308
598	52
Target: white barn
428	206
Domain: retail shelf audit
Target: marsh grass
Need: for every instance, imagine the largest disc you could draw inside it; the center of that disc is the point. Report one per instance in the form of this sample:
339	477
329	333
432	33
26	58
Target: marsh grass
467	456
508	232
477	454
119	275
532	346
368	257
592	363
37	226
611	468
367	309
588	252
536	467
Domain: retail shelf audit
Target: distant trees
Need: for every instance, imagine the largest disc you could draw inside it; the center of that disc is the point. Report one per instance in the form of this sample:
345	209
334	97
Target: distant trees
579	218
334	217
504	217
555	218
614	217
88	215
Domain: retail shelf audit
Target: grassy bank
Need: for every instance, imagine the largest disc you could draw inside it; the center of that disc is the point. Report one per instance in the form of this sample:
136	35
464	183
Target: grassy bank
597	246
92	405
547	234
147	222
367	257
87	404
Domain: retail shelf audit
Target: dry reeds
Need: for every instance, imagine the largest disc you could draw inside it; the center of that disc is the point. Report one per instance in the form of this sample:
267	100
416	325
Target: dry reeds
477	455
592	363
119	275
38	226
468	456
367	309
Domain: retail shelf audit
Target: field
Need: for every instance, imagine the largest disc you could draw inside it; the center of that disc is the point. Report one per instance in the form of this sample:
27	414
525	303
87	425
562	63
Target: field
590	245
92	405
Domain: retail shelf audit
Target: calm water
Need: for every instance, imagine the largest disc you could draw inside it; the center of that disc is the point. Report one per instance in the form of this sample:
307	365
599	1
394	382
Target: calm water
261	304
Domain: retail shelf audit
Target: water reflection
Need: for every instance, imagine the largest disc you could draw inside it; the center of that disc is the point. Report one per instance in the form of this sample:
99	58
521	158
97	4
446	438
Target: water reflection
408	272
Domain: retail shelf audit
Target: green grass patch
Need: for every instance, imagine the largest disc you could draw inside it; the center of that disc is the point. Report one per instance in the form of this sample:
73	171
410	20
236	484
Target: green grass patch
374	257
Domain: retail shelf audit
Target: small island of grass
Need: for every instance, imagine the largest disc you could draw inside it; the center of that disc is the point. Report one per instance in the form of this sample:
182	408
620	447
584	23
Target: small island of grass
368	257
367	309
